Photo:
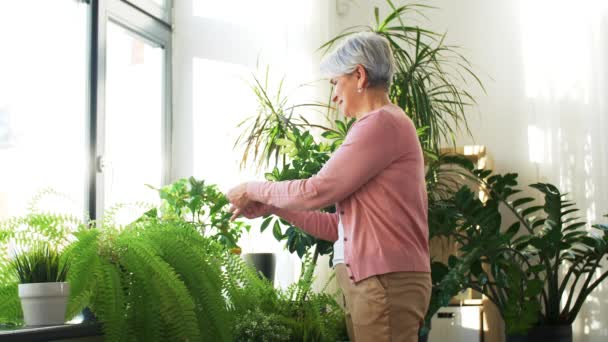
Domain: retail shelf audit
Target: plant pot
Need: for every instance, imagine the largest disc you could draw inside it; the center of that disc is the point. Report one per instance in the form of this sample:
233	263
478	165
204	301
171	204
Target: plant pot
44	303
263	262
553	333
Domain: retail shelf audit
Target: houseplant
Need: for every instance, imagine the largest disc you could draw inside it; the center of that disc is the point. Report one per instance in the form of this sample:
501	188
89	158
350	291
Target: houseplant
43	289
157	278
28	233
428	83
201	206
519	268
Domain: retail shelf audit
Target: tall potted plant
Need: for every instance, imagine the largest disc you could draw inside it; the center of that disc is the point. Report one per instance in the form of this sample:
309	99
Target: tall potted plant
519	268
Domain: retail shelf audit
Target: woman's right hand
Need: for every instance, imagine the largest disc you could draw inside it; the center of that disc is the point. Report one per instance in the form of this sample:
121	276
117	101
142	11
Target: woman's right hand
252	210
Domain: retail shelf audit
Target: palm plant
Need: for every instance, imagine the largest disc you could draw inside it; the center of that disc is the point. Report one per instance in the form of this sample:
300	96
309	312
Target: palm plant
429	76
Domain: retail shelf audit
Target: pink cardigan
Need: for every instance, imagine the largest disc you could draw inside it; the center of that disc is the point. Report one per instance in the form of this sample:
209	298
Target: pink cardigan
376	179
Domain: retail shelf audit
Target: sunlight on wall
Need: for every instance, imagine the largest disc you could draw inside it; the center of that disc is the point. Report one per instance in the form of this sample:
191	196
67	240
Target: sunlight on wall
564	50
555	45
536	141
221	100
266	13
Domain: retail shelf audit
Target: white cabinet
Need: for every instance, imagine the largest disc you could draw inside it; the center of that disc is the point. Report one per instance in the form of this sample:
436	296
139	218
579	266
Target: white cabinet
457	324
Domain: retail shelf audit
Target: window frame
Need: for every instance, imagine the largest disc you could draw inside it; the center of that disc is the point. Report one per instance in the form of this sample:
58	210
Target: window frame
156	31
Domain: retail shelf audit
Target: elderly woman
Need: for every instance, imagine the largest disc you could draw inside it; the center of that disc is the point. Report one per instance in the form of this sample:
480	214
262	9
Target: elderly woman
376	180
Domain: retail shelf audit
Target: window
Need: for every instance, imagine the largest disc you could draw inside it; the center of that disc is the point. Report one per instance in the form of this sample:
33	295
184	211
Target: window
43	91
84	101
134	118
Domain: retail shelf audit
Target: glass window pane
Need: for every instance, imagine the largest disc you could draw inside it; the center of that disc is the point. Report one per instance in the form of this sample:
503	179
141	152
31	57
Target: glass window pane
134	116
43	84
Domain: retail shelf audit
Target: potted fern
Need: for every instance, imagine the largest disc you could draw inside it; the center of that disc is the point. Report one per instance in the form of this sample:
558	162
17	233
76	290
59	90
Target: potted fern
43	289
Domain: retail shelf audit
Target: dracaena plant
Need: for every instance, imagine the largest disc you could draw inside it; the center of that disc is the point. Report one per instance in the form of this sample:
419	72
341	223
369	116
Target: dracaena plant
275	117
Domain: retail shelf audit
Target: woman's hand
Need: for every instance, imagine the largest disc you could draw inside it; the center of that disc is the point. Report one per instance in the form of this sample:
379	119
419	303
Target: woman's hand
237	196
251	211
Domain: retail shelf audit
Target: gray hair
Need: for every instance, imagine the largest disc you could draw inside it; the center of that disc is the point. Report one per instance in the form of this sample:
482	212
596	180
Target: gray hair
369	49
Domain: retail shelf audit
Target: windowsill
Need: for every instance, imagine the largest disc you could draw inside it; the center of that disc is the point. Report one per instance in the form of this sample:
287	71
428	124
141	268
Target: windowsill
51	333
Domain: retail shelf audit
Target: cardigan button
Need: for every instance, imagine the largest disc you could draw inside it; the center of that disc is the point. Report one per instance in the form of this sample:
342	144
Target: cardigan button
347	265
342	212
351	277
345	239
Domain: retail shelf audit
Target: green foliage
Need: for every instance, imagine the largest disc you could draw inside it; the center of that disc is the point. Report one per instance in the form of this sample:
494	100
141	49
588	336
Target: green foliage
428	76
10	305
201	206
306	158
152	280
40	264
30	233
306	315
519	268
272	122
255	325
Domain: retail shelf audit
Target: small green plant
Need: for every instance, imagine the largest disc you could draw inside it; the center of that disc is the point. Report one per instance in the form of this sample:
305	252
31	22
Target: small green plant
308	316
27	232
255	325
40	264
200	206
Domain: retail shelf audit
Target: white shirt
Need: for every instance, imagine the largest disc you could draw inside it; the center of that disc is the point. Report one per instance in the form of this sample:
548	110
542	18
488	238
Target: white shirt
339	245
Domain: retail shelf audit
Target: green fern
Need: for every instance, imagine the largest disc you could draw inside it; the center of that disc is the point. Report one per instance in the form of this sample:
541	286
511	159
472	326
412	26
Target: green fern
10	305
84	263
185	255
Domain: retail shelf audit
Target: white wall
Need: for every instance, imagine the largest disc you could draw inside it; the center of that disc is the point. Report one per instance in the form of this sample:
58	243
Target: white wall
217	45
544	64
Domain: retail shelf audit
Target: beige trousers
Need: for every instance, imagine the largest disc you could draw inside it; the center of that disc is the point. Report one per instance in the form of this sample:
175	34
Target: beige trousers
387	307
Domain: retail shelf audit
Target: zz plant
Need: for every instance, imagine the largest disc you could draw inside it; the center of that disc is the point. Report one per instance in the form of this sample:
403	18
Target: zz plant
519	269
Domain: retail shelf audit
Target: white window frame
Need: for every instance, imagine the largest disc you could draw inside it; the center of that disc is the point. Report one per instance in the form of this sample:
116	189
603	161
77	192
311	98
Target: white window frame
158	32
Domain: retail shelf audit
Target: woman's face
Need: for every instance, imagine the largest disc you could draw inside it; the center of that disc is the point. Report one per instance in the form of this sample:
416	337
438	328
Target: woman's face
345	94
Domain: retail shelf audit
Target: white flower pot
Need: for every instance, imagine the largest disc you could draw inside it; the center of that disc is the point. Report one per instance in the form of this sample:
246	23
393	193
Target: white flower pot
44	303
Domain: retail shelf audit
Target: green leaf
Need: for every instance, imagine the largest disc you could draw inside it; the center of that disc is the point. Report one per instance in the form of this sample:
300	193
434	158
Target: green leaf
513	229
534	288
521	201
276	231
265	223
531	210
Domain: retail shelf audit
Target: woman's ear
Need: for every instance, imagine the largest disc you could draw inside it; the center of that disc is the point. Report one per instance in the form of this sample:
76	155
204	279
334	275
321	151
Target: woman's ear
362	77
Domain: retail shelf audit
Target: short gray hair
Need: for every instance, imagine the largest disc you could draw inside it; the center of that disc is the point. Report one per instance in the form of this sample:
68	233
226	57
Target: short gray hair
369	49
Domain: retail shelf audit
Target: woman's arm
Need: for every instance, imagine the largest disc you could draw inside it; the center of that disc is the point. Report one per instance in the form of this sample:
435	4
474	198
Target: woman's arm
370	146
320	225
